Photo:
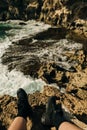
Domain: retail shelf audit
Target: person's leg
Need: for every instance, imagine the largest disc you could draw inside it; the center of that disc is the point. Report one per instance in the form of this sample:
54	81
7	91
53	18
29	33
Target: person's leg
68	126
54	116
19	123
24	110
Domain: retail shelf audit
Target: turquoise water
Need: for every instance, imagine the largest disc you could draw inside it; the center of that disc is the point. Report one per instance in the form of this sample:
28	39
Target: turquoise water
11	81
8	26
13	32
5	27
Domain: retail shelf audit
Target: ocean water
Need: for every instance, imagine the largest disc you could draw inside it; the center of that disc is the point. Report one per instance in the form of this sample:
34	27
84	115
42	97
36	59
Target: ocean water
11	31
10	81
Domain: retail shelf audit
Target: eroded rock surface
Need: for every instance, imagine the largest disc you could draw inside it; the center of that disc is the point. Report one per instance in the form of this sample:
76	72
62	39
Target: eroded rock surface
68	13
46	56
8	108
48	48
55	60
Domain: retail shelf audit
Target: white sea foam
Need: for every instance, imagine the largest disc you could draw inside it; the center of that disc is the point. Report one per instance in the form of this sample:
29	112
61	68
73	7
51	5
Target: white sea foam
11	81
58	51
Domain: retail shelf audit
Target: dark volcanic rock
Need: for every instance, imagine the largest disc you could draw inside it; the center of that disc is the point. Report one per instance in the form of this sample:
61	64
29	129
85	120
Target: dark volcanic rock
29	54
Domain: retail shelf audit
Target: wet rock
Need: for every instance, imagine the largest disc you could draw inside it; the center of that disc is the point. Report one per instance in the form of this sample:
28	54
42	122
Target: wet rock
68	69
28	55
55	12
22	23
54	33
52	72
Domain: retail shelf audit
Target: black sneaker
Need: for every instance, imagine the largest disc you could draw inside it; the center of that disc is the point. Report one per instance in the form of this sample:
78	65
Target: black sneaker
53	115
24	109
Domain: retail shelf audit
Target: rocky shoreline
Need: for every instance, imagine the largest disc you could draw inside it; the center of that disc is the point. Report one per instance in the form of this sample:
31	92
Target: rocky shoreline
67	68
71	14
71	78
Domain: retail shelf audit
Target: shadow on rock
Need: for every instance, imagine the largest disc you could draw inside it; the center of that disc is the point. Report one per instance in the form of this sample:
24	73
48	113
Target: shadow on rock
52	33
2	127
37	125
82	118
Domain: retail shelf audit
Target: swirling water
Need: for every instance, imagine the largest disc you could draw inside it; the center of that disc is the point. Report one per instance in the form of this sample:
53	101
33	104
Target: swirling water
10	81
11	31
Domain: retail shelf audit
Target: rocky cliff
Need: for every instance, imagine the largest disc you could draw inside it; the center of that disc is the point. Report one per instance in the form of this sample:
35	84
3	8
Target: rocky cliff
71	14
63	64
68	13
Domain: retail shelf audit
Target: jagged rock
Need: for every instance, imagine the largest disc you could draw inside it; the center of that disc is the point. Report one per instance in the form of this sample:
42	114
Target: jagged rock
8	108
65	13
72	76
13	12
77	81
51	65
32	10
